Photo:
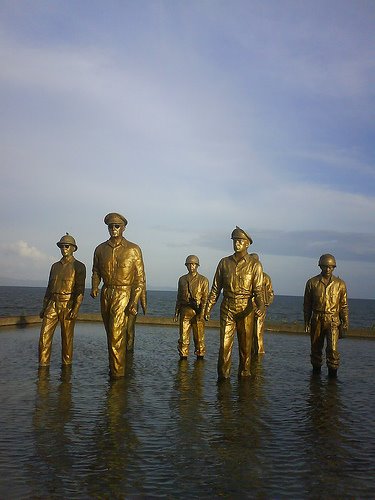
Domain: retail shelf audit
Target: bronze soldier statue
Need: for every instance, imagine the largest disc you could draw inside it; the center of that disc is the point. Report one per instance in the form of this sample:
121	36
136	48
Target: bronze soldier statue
119	264
240	276
259	321
190	304
326	313
63	297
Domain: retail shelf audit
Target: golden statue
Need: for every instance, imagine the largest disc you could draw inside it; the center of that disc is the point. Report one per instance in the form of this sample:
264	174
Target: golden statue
63	297
268	295
240	276
190	305
130	327
326	314
119	264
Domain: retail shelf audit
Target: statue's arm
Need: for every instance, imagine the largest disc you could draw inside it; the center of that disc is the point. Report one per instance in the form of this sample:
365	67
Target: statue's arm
307	306
96	276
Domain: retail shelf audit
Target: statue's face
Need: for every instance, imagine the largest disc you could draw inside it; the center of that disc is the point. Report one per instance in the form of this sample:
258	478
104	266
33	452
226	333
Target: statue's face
115	230
240	244
192	267
327	271
66	250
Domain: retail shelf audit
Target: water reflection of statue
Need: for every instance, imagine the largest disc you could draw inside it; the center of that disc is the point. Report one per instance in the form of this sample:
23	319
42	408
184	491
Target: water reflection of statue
240	277
326	313
119	264
190	304
260	317
63	297
242	433
130	327
327	455
116	445
53	412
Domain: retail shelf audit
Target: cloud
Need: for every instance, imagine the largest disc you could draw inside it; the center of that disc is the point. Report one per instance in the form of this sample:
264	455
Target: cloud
25	251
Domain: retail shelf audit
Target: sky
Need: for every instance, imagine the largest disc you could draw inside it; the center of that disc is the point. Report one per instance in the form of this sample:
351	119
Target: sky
189	118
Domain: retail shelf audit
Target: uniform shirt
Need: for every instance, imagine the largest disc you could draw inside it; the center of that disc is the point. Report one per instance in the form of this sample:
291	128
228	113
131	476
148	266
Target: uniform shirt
328	299
66	279
238	280
195	287
118	265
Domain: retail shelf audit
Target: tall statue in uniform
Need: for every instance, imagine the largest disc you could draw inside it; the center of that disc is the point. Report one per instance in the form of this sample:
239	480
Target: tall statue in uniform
119	264
63	297
259	322
326	314
240	277
190	304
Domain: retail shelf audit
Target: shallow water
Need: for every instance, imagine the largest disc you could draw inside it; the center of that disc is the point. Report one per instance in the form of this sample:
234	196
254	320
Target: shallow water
168	430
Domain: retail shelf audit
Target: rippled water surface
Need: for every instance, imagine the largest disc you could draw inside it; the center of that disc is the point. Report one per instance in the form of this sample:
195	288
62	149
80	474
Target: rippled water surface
168	430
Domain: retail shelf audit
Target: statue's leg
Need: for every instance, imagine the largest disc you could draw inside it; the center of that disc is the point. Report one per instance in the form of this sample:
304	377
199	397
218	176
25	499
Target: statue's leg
227	329
317	343
47	330
198	335
245	329
186	316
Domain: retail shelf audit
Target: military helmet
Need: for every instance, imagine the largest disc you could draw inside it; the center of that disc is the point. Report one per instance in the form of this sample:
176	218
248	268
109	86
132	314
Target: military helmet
327	260
67	239
192	259
240	234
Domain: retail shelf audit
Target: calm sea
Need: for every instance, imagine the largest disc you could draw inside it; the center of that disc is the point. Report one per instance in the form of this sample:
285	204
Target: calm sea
17	301
168	430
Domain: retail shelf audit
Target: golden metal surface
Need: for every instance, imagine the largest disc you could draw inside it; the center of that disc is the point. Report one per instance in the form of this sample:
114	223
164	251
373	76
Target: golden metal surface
119	264
62	300
240	277
260	317
130	327
325	313
191	301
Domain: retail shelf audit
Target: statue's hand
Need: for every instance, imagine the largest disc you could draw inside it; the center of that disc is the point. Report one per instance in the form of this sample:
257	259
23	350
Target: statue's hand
307	328
343	330
94	293
73	314
175	317
133	310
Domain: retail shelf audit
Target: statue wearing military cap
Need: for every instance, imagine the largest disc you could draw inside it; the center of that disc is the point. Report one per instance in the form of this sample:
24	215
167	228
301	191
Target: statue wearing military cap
118	263
115	218
192	292
240	277
240	234
62	300
326	314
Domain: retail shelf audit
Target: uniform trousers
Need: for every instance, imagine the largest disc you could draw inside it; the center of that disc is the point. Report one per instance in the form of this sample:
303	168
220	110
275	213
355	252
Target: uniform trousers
258	342
55	312
322	328
114	301
189	321
235	315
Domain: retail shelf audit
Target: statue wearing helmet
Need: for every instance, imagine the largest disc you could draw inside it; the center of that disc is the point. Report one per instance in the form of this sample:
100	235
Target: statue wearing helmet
62	301
190	304
326	314
240	277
